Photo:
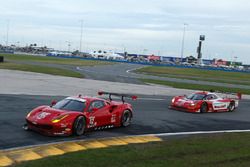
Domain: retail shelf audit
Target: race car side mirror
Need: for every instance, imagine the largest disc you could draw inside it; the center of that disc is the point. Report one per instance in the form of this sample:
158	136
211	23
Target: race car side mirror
53	102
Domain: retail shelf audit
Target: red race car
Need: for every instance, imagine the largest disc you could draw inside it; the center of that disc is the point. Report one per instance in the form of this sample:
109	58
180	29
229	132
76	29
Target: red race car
202	102
75	115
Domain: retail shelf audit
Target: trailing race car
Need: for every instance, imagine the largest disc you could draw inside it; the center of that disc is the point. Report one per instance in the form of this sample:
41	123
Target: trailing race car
75	115
202	102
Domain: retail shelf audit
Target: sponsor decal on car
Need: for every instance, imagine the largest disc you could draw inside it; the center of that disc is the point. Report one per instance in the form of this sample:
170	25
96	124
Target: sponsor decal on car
219	105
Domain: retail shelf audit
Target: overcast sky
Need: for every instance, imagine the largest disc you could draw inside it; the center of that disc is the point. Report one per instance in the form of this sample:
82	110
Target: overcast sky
142	26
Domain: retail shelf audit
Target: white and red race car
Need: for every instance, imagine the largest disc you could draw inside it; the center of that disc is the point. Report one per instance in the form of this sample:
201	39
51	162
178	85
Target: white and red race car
202	102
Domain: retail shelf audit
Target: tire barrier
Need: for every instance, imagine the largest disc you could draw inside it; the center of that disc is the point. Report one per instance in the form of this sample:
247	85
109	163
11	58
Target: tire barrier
1	59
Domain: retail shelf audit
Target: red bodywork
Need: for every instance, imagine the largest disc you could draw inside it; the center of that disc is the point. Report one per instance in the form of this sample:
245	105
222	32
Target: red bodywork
213	102
44	119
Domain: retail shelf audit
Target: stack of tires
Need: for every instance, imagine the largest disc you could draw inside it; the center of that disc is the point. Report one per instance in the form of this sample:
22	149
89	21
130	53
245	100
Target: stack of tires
1	59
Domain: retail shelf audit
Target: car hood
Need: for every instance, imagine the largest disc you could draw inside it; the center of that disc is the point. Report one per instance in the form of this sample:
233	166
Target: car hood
184	101
46	114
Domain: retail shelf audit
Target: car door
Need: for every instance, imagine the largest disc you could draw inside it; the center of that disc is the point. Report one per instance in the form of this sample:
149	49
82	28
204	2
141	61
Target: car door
99	114
216	103
210	99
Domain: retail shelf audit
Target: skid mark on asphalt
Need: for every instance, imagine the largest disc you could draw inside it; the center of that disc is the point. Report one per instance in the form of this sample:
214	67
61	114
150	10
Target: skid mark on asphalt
13	156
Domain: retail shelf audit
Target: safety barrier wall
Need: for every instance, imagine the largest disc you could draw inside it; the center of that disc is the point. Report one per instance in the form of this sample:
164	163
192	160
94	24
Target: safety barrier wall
159	65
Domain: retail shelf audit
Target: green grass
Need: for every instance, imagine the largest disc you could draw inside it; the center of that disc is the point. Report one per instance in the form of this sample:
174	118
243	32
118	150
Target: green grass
198	74
40	69
21	62
215	150
196	86
54	60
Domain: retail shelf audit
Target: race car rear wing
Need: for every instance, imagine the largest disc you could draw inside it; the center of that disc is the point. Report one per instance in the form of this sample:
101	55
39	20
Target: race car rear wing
237	96
133	97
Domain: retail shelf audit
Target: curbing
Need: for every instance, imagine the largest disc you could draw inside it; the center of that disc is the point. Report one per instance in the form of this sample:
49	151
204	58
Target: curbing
17	155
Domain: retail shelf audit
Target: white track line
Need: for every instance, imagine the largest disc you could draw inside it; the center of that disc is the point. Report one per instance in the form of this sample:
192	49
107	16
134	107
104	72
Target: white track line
197	133
129	71
157	135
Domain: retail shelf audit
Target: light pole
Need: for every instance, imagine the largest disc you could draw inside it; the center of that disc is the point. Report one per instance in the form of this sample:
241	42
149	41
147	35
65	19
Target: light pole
7	32
144	51
124	49
158	53
183	40
232	53
235	60
80	48
68	42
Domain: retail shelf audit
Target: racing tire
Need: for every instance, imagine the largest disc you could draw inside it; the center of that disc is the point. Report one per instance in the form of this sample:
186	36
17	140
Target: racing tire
231	107
203	108
126	118
79	126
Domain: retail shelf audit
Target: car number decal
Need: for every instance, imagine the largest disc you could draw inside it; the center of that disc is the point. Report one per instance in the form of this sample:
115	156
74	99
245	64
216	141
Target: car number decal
43	115
92	122
113	118
180	103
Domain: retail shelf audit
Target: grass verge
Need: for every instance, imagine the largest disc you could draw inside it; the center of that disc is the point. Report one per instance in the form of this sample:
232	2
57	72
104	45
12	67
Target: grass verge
196	86
223	150
54	60
198	74
40	69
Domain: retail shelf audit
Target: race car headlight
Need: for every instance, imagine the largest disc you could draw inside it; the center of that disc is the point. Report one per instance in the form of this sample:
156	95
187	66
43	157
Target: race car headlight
28	114
173	100
58	119
192	104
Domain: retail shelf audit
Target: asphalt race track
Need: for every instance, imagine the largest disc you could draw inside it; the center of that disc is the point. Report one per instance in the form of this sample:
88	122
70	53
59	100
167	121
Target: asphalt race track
151	115
123	72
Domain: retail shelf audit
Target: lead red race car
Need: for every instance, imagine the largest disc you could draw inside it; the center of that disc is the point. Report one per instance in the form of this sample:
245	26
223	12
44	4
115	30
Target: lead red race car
204	101
75	115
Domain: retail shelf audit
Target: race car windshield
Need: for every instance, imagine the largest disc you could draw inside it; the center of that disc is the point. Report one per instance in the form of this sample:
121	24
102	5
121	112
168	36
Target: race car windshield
196	96
70	105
